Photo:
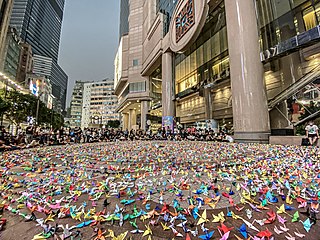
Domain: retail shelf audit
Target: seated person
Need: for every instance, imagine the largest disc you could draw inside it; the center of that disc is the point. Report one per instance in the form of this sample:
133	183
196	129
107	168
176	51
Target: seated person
312	132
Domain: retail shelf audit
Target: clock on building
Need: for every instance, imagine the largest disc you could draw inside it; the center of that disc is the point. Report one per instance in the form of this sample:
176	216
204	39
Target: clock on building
185	19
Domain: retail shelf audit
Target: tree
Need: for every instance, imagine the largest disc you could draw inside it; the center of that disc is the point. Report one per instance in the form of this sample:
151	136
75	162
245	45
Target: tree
4	106
23	105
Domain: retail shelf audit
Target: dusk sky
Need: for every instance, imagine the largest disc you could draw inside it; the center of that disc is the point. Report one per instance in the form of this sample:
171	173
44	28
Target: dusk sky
89	40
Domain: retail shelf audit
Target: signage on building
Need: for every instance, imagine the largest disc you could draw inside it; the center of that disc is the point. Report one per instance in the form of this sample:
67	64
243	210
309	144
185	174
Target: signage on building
118	65
50	102
187	22
168	122
34	86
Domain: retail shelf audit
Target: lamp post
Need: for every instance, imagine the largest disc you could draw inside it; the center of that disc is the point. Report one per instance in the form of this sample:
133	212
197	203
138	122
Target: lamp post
38	106
5	98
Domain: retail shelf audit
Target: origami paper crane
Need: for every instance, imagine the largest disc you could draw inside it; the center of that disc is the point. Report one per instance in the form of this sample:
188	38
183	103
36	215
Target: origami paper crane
249	213
266	234
298	234
250	225
281	220
271	217
203	218
223	228
164	226
243	231
175	232
218	218
295	217
277	231
207	235
307	225
122	236
148	231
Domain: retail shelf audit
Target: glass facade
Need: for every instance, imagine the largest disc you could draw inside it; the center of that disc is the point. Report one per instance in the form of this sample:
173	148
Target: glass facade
207	60
3	11
156	87
124	18
280	20
167	8
38	22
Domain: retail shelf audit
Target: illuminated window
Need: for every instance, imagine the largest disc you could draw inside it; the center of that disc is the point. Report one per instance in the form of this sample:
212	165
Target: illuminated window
309	18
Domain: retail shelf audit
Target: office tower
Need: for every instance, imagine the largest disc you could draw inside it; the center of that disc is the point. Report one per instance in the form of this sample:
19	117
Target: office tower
39	24
5	11
124	15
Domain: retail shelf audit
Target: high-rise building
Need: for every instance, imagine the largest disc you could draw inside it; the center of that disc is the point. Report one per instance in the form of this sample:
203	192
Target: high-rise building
12	54
25	65
249	66
99	104
5	12
76	105
39	23
124	18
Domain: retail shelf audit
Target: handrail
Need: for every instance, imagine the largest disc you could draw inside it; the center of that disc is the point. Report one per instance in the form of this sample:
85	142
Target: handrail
295	87
307	118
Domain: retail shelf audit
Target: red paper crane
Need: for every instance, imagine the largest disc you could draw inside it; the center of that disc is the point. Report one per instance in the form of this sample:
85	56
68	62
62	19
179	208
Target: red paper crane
266	233
224	228
271	217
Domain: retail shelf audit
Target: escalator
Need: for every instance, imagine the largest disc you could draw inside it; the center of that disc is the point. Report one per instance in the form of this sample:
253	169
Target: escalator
294	88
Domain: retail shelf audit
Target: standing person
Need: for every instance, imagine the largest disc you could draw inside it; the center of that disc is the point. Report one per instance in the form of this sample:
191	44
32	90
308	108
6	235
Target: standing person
29	134
312	131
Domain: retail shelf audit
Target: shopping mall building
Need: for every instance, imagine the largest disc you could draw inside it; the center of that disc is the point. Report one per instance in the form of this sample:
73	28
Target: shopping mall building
251	66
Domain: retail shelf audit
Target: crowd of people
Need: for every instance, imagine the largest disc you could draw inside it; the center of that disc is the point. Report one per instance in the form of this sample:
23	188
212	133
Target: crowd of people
34	136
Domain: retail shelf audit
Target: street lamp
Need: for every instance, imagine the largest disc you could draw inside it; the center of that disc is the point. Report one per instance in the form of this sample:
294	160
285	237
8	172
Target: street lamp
38	106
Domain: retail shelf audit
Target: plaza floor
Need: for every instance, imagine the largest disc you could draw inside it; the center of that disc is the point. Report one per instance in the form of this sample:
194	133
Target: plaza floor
160	190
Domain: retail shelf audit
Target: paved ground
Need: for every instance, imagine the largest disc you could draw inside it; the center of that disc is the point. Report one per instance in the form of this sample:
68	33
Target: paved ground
156	184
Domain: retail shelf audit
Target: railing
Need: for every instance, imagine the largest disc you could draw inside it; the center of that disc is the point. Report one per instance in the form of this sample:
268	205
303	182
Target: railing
295	87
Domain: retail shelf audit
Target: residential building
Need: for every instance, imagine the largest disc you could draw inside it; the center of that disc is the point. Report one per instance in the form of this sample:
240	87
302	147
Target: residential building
99	104
38	23
76	105
241	64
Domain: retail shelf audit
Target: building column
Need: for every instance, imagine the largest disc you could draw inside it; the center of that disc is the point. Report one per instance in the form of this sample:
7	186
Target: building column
132	119
144	113
168	108
208	104
249	99
125	121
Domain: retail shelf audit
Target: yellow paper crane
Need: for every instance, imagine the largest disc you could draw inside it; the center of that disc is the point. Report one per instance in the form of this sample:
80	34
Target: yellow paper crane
147	232
281	209
49	218
122	236
164	226
218	218
289	200
203	217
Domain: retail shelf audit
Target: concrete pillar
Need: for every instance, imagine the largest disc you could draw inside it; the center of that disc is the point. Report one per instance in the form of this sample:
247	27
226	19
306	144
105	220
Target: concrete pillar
168	108
144	113
249	99
208	104
125	121
132	119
